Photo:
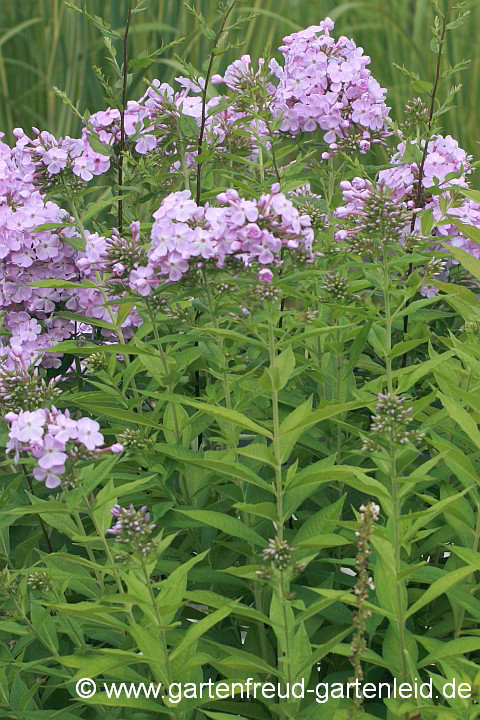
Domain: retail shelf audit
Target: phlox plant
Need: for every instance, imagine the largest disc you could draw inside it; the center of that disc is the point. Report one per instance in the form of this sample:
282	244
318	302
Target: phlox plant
239	380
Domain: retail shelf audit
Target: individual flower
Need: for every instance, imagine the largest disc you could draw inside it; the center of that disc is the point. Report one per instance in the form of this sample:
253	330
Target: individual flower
87	433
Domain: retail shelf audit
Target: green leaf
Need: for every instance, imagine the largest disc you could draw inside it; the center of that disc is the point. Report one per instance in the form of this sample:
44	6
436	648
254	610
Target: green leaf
223	467
227	524
62	284
170	598
422	86
293	425
85	319
467	192
441	586
324	414
200	628
265	509
462	418
102	509
468	261
215	411
97	207
285	363
118	414
357	347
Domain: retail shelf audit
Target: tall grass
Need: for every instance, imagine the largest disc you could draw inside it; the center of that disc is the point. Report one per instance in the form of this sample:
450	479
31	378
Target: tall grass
43	43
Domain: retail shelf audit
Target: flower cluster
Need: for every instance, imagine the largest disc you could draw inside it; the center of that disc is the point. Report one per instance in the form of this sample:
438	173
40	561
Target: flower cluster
45	157
390	422
326	84
133	527
55	440
28	257
252	232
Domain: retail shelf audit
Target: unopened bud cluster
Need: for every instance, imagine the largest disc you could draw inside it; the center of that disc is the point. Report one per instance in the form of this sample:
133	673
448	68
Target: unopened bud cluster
125	254
472	328
266	292
416	242
40	581
434	268
384	217
97	362
416	114
308	203
23	389
9	584
133	527
336	286
390	422
279	555
134	439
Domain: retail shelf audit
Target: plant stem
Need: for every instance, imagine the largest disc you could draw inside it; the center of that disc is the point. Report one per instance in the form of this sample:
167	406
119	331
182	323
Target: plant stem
204	95
122	119
159	621
42	524
277	451
397	543
418	201
388	320
101	536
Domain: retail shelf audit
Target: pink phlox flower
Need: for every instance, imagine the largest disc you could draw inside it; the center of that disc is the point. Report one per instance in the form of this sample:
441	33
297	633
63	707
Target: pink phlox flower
88	433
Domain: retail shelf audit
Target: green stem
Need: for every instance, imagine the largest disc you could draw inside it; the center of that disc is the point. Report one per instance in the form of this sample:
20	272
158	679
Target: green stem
397	543
158	618
285	663
105	544
277	451
261	627
388	320
208	75
211	306
476	547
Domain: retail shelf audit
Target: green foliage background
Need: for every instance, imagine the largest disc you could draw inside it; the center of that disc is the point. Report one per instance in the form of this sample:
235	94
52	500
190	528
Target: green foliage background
44	43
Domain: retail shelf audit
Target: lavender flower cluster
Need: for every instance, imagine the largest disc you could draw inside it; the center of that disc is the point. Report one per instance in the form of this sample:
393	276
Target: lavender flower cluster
253	232
28	257
325	84
55	440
